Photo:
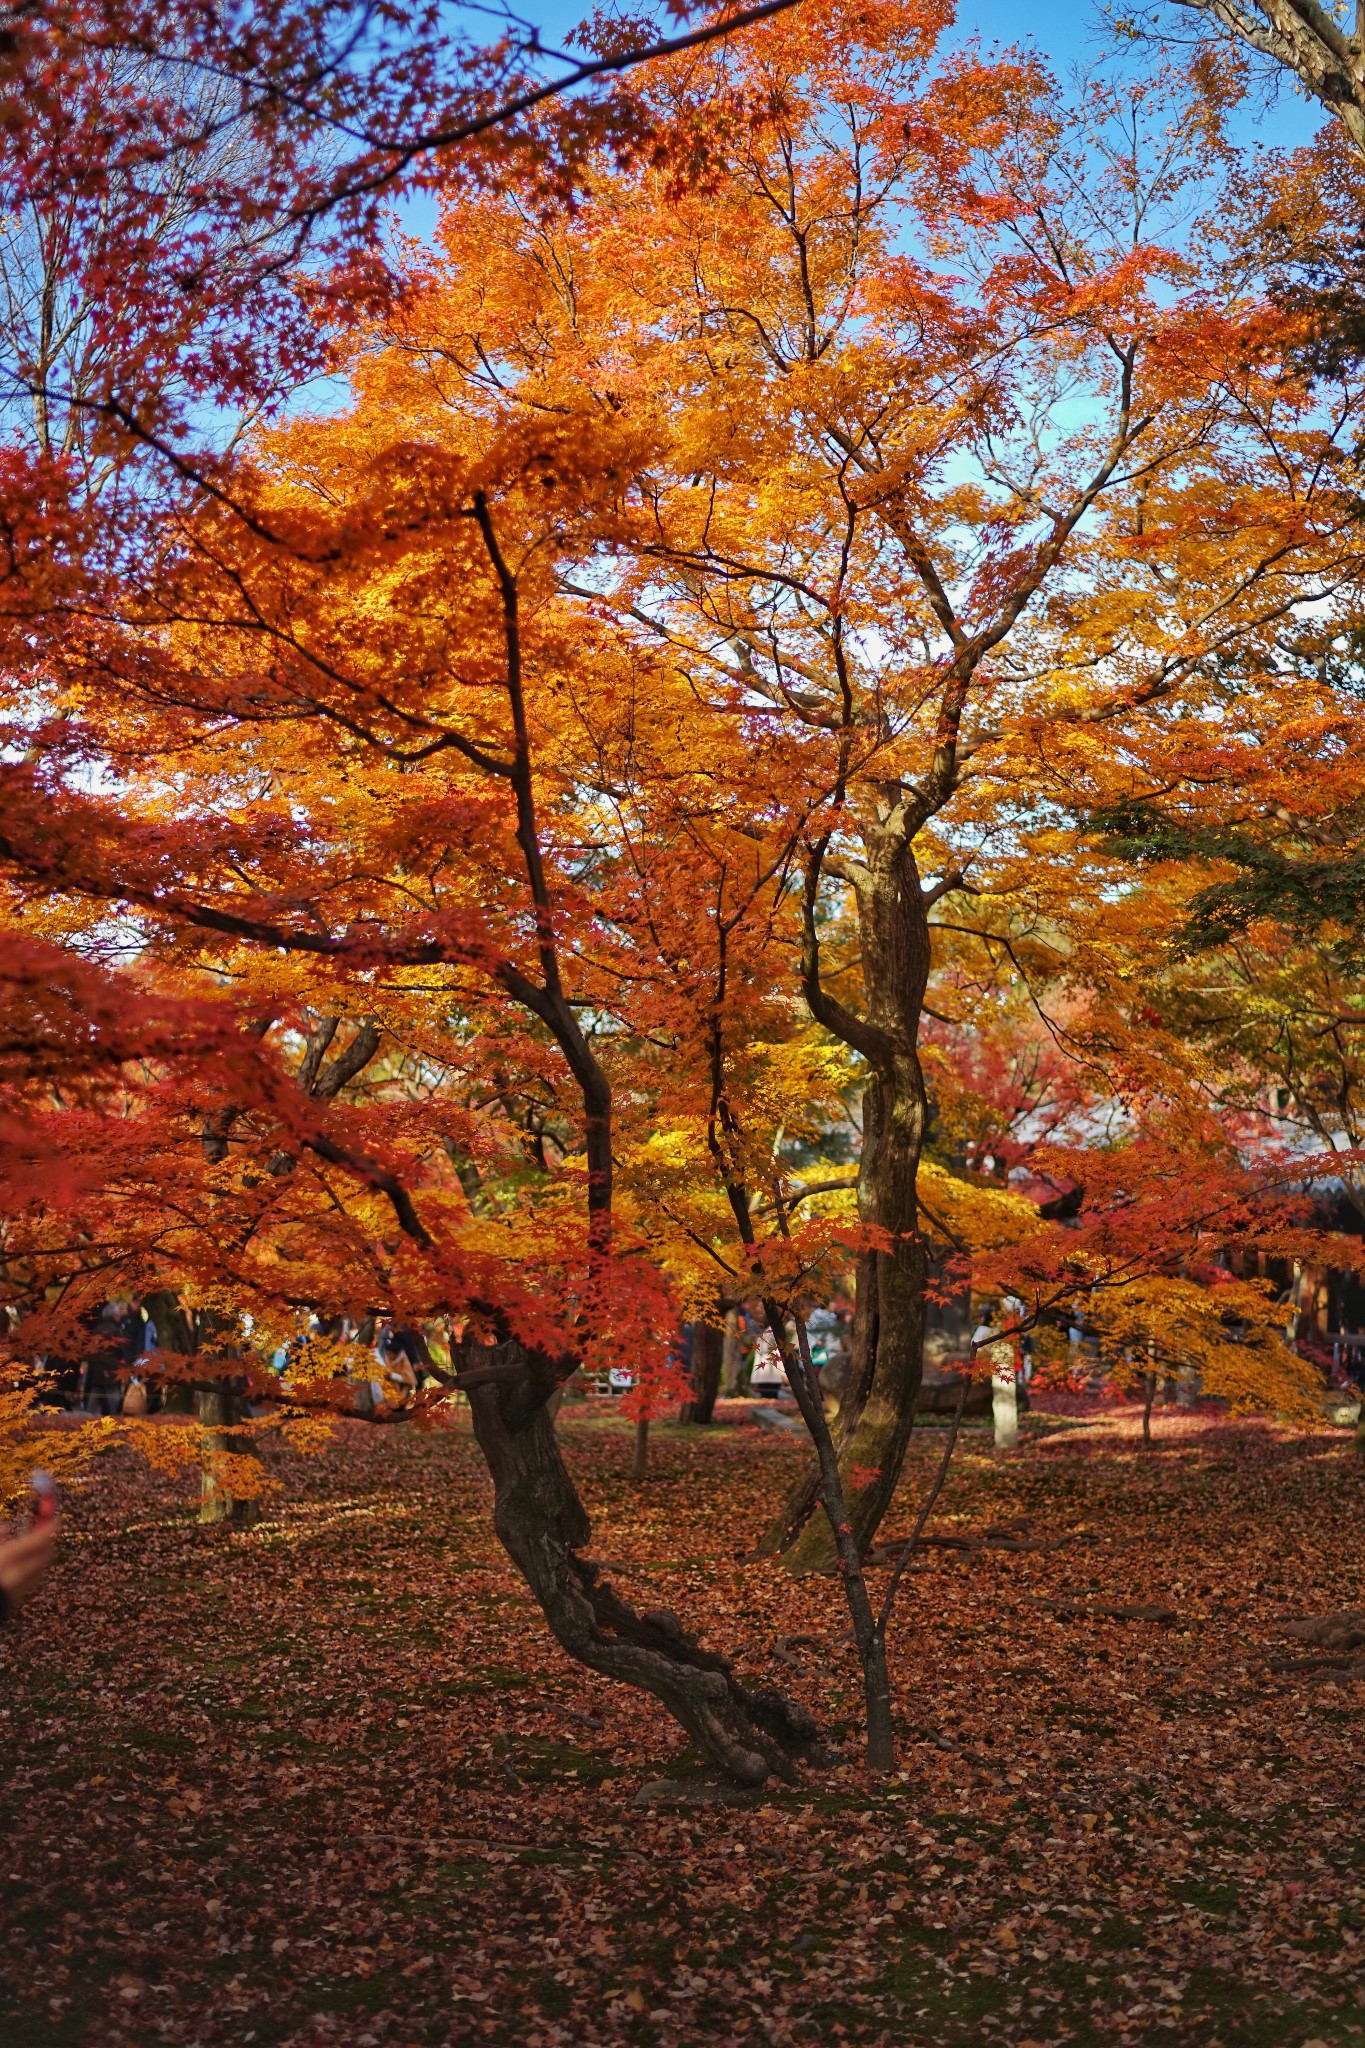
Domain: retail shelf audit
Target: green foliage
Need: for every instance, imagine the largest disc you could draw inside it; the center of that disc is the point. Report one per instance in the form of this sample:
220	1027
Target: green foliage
1313	891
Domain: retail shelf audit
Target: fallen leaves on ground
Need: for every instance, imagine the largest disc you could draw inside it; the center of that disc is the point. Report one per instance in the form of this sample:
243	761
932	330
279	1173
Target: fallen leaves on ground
329	1782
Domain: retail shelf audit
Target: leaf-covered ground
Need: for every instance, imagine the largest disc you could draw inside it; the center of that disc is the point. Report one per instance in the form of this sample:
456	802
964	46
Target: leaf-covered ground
328	1782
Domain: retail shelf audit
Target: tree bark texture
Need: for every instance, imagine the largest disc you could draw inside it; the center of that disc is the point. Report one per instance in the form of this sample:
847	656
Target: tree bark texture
542	1524
877	1411
708	1345
221	1412
732	1353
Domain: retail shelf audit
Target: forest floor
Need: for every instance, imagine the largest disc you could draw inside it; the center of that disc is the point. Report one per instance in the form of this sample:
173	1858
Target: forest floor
328	1783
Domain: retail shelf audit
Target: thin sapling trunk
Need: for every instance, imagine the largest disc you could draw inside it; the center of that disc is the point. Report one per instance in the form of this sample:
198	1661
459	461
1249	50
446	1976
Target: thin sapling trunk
871	1643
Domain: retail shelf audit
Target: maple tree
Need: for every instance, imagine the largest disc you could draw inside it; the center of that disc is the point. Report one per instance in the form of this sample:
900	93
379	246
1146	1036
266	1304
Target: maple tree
963	490
1323	47
521	809
144	631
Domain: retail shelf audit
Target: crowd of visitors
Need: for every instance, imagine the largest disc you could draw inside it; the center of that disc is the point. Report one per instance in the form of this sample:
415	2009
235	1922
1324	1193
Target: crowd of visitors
120	1371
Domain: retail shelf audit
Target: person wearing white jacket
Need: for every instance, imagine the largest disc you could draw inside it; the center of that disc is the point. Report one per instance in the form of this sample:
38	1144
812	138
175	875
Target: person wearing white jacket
767	1376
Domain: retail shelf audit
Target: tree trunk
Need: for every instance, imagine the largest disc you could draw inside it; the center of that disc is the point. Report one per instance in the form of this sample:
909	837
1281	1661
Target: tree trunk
541	1523
219	1409
707	1348
1148	1396
732	1353
877	1412
221	1412
804	1496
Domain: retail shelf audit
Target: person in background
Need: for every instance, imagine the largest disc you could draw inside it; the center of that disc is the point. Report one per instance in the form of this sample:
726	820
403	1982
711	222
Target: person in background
396	1385
749	1324
825	1329
767	1378
120	1341
1075	1338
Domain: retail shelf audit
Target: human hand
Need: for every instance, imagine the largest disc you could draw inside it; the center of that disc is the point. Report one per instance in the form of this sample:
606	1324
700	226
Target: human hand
23	1562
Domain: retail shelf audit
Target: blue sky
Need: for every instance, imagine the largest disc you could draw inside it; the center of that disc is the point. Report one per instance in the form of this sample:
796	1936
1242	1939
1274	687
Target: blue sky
1065	34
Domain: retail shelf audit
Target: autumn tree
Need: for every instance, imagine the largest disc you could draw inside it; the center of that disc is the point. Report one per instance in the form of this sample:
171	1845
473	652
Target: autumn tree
1263	971
546	778
1322	47
181	635
974	460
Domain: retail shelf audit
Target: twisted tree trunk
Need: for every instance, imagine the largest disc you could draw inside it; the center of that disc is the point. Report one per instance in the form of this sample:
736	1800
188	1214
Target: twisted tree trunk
877	1412
541	1522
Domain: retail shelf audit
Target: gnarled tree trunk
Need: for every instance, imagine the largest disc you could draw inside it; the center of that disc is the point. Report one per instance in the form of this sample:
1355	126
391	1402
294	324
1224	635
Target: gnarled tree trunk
541	1522
877	1412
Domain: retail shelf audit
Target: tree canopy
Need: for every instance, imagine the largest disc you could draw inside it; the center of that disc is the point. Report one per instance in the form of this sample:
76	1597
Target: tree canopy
804	631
